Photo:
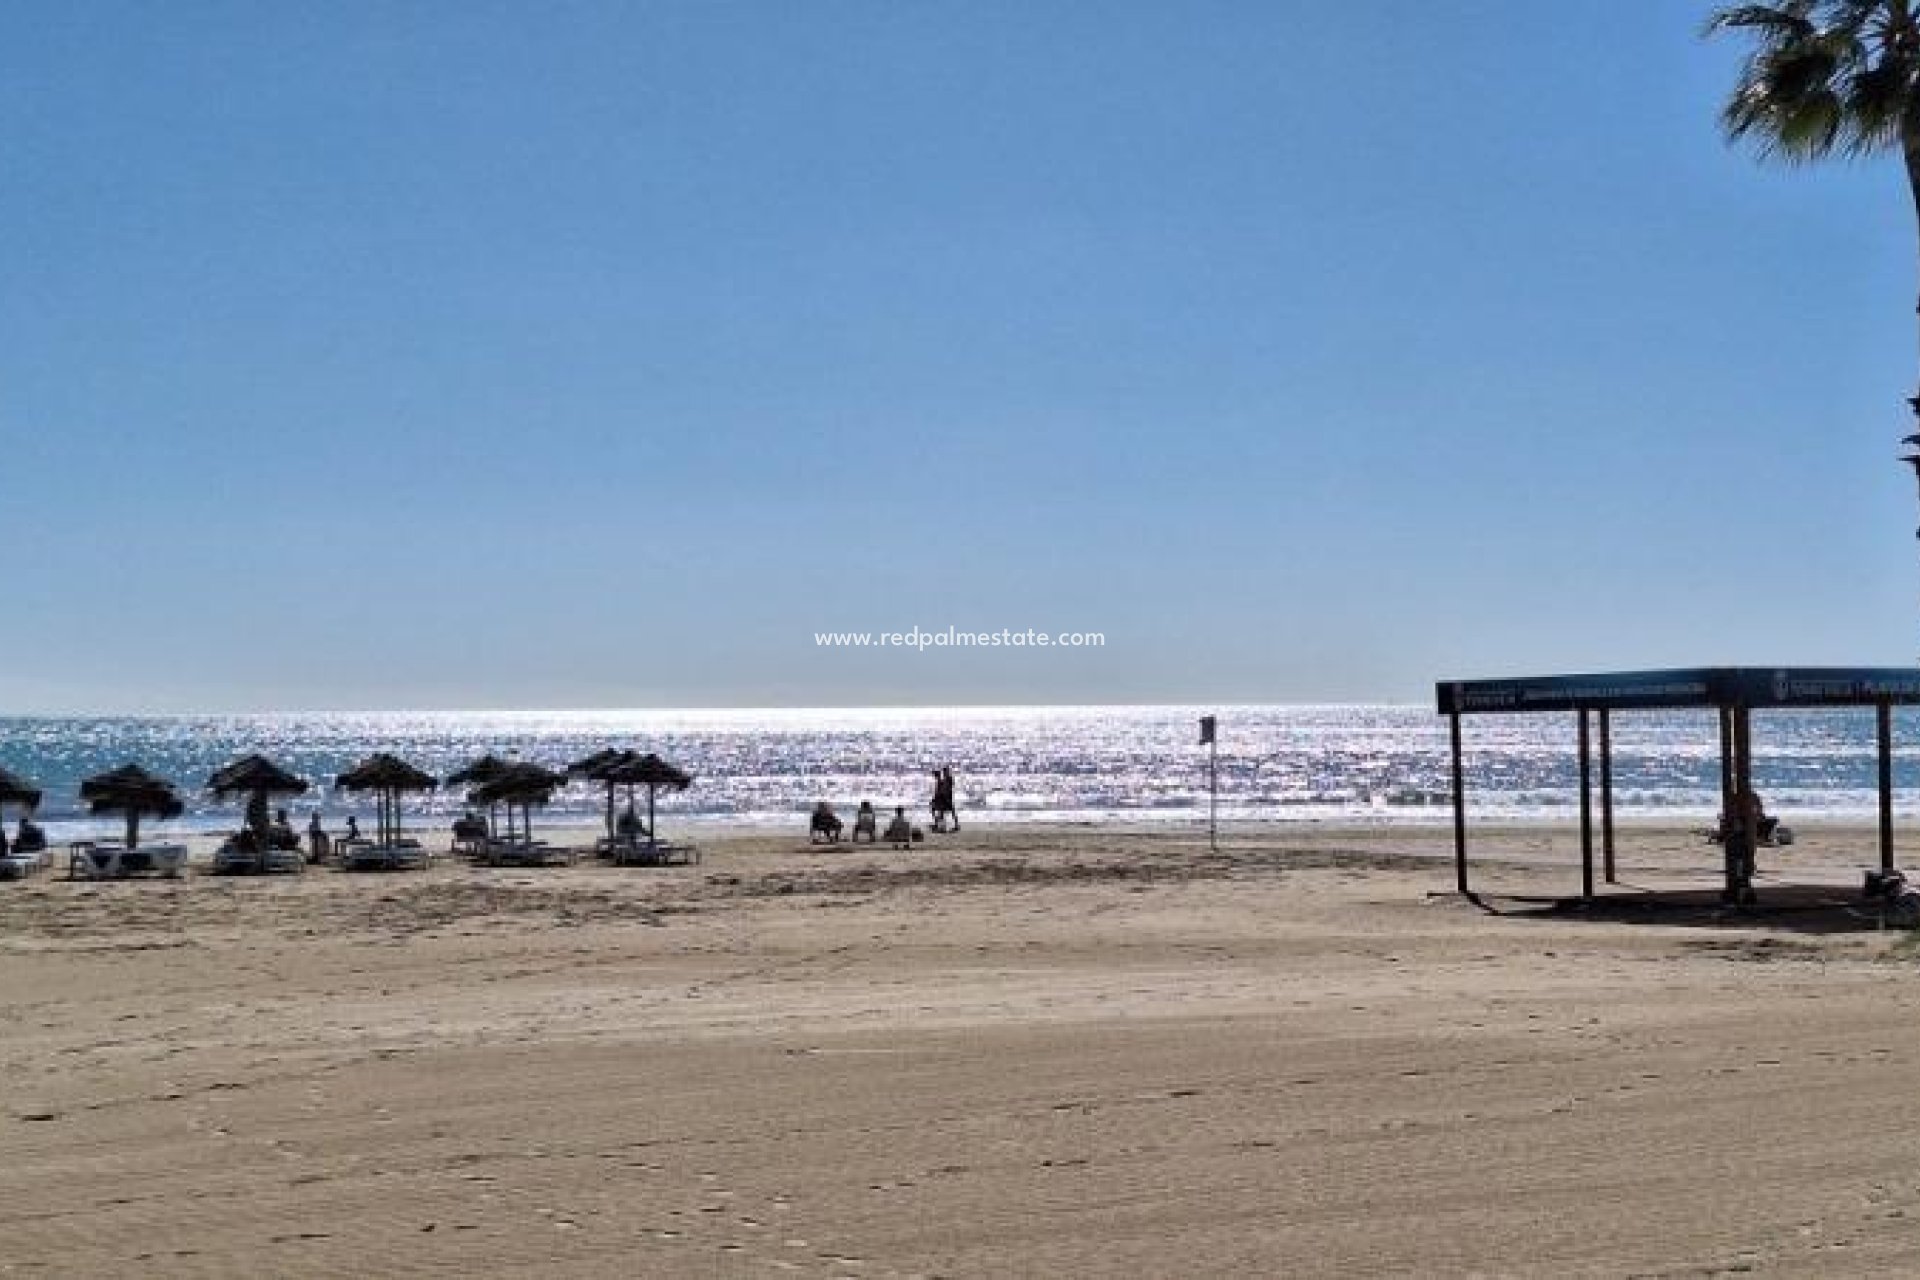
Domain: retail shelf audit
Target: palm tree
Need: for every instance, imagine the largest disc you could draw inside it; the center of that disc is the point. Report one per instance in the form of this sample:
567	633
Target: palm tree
1828	78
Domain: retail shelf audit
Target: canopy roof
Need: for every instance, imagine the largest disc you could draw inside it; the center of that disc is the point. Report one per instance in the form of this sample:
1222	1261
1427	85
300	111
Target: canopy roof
255	773
592	766
644	771
17	790
131	789
1750	687
384	772
518	784
485	769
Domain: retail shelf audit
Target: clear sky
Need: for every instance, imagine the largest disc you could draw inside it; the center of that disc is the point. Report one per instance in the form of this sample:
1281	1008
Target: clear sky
483	355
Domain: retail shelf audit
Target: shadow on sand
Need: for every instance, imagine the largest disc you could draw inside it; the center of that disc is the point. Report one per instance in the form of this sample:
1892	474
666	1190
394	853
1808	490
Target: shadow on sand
1795	908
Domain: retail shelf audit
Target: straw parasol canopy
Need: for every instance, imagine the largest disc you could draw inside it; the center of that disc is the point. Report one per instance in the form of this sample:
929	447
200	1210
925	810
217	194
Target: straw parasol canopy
485	769
594	767
133	791
525	785
388	777
255	777
255	773
648	771
15	789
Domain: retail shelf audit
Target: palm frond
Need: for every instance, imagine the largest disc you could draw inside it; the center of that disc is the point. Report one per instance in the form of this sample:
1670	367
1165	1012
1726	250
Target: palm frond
1774	21
1823	77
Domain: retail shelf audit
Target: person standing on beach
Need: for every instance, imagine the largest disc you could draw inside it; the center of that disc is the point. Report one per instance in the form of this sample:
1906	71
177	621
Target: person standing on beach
945	816
946	791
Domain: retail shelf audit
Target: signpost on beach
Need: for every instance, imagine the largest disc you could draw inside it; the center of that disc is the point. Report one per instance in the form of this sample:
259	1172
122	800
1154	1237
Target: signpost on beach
1209	740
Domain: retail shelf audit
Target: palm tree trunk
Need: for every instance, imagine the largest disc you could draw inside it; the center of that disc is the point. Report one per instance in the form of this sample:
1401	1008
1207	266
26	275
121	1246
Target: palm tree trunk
1910	151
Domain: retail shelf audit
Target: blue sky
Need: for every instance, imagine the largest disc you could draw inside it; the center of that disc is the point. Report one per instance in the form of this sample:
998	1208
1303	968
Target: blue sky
478	355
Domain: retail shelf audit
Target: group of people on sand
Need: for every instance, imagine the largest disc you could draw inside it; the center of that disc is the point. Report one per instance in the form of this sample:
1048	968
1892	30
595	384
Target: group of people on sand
826	824
320	842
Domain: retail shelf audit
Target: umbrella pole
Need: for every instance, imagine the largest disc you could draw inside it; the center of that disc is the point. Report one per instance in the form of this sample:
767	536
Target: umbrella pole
653	837
133	828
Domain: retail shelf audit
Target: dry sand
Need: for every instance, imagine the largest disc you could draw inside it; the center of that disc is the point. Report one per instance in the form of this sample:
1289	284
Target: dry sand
1012	1052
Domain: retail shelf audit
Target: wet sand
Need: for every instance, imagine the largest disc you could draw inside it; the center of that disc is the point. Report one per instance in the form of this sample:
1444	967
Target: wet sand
1017	1051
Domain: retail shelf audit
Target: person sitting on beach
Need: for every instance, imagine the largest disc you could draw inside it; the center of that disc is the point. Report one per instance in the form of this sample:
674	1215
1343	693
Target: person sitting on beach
865	820
825	824
30	838
629	827
281	834
899	831
318	843
1753	812
353	835
469	831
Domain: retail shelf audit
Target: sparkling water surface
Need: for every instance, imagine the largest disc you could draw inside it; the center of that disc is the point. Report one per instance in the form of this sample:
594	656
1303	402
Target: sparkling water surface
1370	763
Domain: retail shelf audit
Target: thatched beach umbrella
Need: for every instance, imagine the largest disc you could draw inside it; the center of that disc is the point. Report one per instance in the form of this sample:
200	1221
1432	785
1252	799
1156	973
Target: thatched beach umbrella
594	768
648	771
485	769
134	792
388	777
15	789
525	785
255	777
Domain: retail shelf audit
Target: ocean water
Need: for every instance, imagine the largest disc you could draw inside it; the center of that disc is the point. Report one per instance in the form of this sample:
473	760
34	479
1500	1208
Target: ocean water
1367	763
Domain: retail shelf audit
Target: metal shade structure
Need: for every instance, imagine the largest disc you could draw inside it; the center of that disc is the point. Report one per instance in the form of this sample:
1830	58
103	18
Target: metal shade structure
132	791
388	777
1733	692
518	785
649	771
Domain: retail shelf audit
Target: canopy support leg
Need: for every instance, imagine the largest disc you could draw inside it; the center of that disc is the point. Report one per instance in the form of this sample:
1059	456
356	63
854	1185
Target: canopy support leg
1727	841
1586	808
1743	836
1606	794
1883	722
1459	808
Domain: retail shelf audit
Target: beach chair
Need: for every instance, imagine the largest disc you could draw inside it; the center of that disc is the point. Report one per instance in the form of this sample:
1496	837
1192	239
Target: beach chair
469	839
656	853
19	864
236	857
402	855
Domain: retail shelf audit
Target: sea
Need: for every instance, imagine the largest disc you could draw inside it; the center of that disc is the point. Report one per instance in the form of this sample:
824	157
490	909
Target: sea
1346	763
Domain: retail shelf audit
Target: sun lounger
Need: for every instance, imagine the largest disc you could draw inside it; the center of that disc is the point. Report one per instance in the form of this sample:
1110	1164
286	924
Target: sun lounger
110	860
233	858
524	853
403	855
654	853
19	865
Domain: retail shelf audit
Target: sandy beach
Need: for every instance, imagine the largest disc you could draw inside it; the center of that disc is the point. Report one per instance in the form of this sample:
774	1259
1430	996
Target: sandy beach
1023	1051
